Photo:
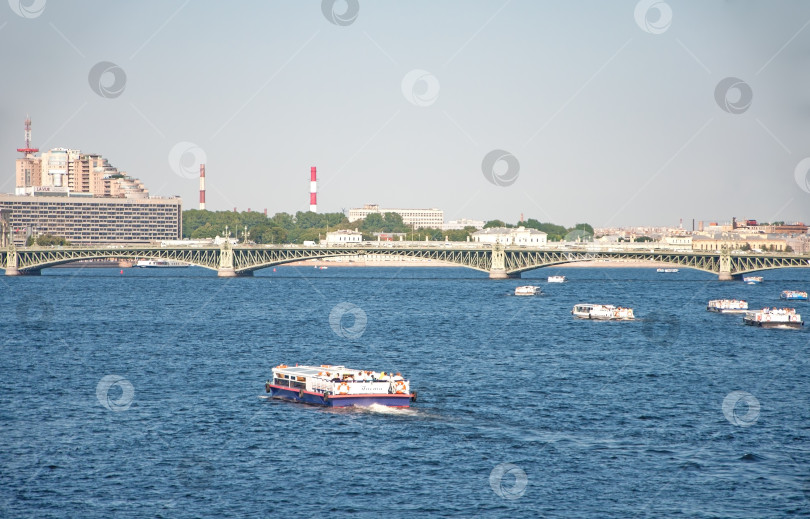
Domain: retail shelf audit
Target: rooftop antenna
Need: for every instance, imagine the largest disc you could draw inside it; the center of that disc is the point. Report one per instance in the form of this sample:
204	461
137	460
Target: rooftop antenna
28	150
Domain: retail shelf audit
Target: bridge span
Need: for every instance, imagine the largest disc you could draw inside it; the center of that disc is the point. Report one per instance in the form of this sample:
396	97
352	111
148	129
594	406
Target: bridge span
498	261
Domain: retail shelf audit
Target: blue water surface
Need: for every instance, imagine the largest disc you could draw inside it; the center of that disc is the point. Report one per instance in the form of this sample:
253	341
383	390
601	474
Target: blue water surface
139	393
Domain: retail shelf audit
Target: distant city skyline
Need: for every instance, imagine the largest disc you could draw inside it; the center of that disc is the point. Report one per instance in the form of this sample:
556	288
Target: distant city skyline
615	114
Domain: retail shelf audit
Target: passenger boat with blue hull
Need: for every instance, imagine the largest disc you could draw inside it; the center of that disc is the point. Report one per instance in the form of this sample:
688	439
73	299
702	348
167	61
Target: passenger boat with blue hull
752	280
793	295
339	386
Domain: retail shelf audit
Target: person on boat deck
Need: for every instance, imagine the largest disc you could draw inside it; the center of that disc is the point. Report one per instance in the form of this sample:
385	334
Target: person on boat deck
398	376
366	376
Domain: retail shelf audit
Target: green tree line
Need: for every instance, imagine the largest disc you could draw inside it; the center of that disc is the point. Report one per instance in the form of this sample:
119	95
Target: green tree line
46	240
308	226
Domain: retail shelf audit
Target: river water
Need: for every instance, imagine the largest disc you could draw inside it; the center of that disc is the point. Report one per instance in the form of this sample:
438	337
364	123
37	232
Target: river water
139	393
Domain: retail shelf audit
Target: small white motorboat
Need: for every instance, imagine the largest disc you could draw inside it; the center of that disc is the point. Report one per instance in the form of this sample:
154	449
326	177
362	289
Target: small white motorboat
528	290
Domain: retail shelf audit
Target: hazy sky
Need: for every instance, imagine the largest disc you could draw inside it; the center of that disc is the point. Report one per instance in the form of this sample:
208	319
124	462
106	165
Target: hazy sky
613	113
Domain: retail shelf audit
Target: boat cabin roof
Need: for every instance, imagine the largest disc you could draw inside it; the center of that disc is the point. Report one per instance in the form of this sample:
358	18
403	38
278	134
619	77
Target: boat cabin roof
311	371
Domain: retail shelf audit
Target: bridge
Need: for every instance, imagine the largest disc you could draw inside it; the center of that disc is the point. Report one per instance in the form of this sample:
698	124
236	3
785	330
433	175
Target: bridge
498	261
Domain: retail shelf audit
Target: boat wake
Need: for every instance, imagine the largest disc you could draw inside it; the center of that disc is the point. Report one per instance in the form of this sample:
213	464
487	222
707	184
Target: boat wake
375	409
384	409
372	409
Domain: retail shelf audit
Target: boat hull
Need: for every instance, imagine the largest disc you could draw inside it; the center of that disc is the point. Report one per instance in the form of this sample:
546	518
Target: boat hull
726	310
603	318
771	324
315	398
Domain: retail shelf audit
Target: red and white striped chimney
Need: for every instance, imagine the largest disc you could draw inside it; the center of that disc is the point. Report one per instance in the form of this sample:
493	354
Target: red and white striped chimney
202	187
313	190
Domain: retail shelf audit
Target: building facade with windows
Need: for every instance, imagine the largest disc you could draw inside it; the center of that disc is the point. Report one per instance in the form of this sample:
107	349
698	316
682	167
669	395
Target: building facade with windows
463	223
715	241
70	171
343	236
417	218
91	220
511	236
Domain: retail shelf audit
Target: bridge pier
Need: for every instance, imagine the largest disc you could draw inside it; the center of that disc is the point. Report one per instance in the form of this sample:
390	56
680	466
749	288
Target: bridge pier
498	268
14	271
502	274
725	265
229	272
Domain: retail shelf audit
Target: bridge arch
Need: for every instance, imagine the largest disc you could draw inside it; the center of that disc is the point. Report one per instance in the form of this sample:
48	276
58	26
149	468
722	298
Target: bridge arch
32	261
523	261
244	263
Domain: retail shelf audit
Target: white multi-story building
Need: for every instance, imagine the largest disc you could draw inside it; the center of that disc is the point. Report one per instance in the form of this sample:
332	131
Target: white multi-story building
91	220
343	236
417	218
684	242
461	224
511	236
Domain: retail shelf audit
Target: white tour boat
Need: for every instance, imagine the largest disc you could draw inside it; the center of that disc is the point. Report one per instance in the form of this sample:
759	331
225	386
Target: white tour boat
667	270
339	386
752	280
774	318
528	290
793	295
556	279
152	263
727	306
602	312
